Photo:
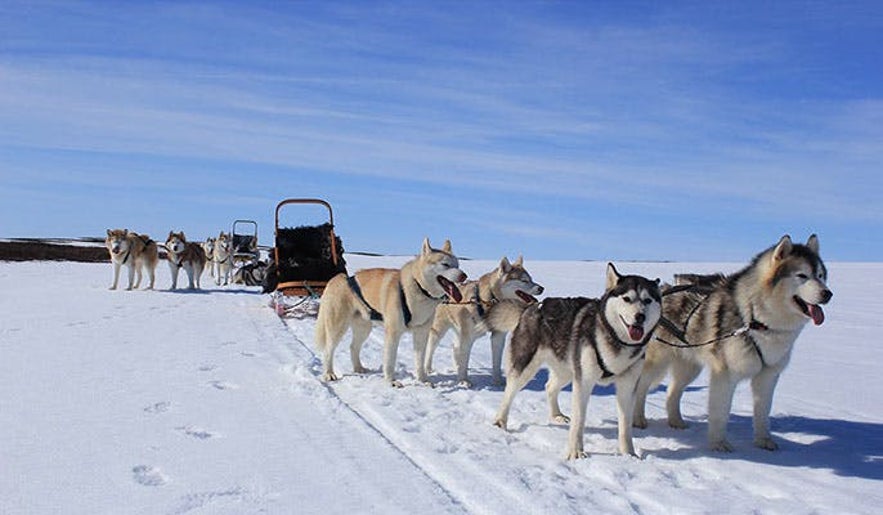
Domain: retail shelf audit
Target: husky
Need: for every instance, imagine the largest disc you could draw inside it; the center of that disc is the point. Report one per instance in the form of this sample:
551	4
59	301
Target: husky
584	341
509	281
208	246
405	300
187	255
223	258
742	326
135	251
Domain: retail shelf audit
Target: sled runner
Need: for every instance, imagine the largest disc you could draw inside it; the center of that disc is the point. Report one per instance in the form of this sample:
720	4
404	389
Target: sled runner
305	258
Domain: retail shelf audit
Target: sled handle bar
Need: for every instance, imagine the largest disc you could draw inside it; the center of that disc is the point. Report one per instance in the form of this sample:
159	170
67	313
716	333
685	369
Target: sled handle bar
304	201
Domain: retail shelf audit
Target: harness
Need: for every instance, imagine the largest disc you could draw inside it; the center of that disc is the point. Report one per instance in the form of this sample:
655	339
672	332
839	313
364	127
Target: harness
476	299
146	241
638	349
376	315
681	334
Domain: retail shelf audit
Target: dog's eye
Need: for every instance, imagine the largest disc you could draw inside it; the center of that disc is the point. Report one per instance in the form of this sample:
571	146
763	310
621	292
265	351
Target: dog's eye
803	276
627	299
647	302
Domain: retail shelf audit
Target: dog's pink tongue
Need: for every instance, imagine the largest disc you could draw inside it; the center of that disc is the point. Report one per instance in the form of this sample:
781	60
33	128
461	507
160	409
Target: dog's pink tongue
450	288
816	313
636	332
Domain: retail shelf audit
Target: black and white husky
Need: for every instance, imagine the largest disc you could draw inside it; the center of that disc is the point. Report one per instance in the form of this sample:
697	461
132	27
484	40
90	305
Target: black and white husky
584	341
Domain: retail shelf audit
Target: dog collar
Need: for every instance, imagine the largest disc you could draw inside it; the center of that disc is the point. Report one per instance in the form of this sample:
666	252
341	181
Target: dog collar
429	295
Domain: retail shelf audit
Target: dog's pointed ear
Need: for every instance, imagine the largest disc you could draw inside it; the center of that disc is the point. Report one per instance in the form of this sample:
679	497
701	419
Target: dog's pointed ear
427	248
108	232
505	266
813	243
783	248
519	262
447	247
612	276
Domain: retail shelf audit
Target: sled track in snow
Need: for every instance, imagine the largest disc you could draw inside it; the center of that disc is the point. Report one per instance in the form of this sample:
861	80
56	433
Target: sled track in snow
316	371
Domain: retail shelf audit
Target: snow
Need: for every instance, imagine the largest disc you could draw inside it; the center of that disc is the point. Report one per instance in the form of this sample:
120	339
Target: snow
206	402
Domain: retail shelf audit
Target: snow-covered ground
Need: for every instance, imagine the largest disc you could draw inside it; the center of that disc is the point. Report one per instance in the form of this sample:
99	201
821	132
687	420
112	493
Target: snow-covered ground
177	402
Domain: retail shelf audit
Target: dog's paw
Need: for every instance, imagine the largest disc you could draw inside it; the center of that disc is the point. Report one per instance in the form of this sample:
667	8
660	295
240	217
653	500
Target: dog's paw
464	383
577	454
359	369
766	443
677	423
721	446
640	422
329	377
396	384
560	419
501	423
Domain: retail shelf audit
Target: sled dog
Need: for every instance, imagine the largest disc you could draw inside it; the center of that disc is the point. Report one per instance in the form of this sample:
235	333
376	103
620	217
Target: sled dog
208	246
134	251
405	300
509	281
742	326
223	258
187	255
583	341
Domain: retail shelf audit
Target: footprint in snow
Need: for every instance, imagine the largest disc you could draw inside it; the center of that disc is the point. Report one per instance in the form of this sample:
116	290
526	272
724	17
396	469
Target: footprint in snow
159	407
222	385
148	476
199	434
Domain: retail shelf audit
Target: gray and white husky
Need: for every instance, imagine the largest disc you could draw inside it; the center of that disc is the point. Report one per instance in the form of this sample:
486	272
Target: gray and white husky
403	299
208	246
742	326
584	341
509	281
222	257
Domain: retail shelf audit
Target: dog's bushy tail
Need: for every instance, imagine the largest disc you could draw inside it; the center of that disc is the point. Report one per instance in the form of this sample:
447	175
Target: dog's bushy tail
502	317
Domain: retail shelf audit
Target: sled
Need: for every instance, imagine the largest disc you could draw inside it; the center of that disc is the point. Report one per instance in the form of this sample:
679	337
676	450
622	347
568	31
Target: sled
305	258
244	242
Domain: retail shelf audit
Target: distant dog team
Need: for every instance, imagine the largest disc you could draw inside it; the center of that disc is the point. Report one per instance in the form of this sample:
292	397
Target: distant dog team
139	252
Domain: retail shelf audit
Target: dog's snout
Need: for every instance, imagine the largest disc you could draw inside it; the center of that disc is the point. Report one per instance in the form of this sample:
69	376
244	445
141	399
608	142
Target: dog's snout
540	290
640	318
826	296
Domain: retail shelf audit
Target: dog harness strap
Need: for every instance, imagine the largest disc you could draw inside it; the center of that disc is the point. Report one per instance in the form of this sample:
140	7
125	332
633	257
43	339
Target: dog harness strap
354	285
406	312
478	303
605	372
423	290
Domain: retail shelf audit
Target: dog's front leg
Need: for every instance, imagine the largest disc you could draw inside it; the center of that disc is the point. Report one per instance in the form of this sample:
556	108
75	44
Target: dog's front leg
173	270
720	400
626	395
131	270
762	387
420	335
498	342
116	275
582	389
390	353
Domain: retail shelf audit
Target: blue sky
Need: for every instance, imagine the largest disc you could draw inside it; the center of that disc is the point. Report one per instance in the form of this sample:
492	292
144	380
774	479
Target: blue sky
696	131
